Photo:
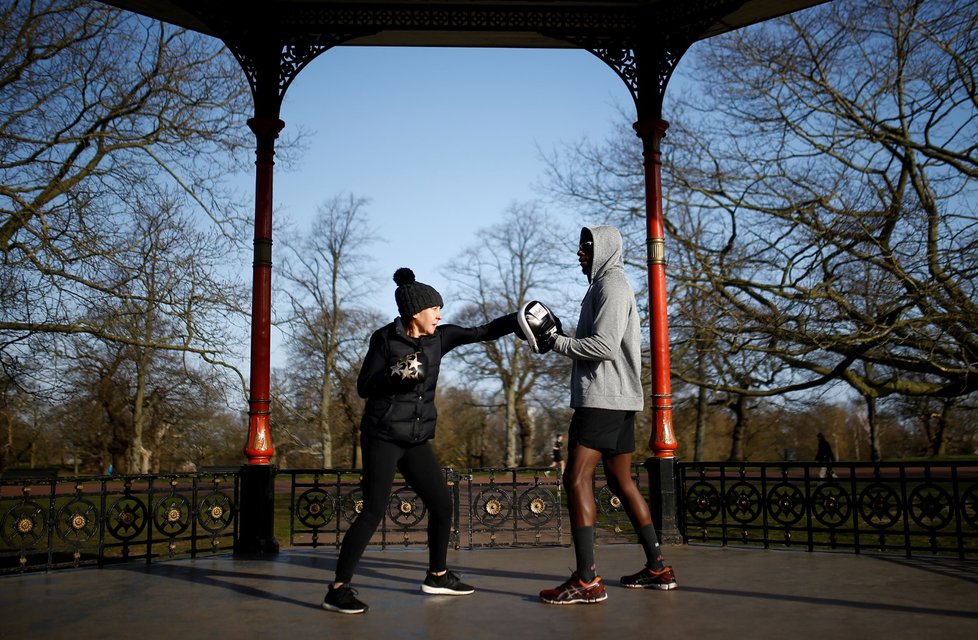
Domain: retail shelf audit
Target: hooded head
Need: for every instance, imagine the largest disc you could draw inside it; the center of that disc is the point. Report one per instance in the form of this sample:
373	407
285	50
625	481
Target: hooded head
413	296
600	251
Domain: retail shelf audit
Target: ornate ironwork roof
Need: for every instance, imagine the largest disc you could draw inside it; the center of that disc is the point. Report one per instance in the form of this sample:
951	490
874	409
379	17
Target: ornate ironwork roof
274	39
461	23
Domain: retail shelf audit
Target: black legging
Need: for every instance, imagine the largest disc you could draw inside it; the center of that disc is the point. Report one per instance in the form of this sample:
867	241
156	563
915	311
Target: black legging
420	468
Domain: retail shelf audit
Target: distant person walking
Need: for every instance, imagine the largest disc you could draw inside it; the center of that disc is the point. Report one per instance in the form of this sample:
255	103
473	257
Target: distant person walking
558	454
824	454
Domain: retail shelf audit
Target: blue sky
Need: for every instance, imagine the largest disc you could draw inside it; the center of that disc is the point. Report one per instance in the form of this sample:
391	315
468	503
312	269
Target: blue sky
441	140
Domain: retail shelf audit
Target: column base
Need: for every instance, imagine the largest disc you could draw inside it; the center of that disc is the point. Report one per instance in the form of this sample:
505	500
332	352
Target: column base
663	500
256	516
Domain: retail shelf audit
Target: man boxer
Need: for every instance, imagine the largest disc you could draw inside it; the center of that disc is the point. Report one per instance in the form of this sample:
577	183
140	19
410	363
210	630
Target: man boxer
606	391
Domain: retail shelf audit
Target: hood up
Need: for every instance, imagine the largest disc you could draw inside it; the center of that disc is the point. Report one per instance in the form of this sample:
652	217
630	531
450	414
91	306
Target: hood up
607	252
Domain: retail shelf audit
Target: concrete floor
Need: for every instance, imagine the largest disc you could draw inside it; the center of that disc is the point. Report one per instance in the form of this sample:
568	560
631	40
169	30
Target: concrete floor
723	593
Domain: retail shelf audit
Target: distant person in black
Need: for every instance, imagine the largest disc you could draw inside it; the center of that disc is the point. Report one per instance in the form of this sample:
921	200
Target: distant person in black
824	454
558	454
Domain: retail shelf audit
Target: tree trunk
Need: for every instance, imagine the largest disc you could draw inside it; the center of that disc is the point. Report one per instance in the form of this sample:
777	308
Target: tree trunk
325	404
937	443
136	449
739	407
512	427
702	406
874	430
527	433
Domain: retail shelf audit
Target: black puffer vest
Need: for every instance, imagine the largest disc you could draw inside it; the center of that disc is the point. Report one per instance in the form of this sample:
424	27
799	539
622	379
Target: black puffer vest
405	412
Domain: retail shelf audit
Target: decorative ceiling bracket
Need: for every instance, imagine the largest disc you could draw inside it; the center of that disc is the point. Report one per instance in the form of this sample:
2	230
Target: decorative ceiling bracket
646	55
271	45
644	67
271	69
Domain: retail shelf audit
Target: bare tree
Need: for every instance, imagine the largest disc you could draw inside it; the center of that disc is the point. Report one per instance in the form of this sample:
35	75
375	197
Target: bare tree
326	275
465	422
140	414
19	427
853	186
100	110
514	262
166	296
820	193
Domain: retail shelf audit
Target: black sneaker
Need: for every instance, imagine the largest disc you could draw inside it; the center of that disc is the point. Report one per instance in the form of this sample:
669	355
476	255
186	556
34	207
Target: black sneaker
343	600
447	584
664	579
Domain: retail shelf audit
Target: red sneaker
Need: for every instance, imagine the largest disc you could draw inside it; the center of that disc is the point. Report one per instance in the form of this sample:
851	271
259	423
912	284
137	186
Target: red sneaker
663	579
575	591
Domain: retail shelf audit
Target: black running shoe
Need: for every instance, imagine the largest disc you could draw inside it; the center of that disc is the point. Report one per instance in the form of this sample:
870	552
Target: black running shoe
447	584
343	600
663	579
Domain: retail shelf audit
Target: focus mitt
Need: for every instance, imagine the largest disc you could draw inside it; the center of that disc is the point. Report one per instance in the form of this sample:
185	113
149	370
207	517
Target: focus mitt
540	326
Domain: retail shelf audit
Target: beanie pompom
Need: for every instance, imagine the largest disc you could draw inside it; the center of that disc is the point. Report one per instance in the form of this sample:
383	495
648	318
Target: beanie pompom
413	296
403	276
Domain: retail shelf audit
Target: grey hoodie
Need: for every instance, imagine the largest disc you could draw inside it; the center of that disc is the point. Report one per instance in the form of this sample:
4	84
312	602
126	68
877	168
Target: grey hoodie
607	348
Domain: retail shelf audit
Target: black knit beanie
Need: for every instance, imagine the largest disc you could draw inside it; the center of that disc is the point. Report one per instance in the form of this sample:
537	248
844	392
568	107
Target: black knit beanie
413	296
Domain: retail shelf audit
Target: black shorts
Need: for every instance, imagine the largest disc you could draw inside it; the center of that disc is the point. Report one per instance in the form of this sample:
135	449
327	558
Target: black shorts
609	431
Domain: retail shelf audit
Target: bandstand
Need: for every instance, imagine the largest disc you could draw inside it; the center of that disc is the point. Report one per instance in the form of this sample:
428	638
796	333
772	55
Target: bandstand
273	40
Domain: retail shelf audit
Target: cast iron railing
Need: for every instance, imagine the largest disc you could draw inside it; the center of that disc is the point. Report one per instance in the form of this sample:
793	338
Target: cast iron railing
905	508
50	522
492	508
324	503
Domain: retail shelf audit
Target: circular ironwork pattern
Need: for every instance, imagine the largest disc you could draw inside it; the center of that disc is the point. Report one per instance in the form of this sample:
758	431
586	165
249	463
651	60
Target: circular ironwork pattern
215	512
406	508
537	506
831	505
77	521
608	502
24	525
969	505
786	503
492	507
351	505
879	506
930	506
172	515
127	518
743	502
702	502
315	508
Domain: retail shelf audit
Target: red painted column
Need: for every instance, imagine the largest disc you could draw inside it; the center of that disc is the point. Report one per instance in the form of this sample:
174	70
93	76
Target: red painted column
258	447
662	441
